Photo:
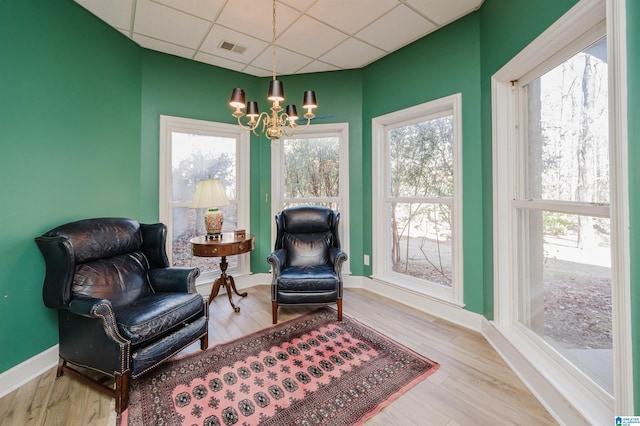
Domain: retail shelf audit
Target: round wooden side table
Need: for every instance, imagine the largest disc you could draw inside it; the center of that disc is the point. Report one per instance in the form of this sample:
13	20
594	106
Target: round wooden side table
228	244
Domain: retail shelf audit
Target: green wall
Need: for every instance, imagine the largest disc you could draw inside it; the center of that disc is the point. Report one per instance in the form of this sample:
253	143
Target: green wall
442	64
633	70
69	148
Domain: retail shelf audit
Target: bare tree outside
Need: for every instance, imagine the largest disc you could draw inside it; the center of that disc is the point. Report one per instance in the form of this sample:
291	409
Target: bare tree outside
311	172
421	190
566	286
194	158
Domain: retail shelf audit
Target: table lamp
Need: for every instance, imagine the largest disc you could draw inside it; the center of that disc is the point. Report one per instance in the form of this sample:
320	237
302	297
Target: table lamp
210	195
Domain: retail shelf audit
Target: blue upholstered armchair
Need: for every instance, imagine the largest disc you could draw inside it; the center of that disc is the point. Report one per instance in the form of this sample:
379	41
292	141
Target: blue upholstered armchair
121	309
307	259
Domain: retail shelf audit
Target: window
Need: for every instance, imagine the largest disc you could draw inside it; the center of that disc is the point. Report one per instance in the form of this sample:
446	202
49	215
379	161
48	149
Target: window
312	168
561	211
192	150
417	203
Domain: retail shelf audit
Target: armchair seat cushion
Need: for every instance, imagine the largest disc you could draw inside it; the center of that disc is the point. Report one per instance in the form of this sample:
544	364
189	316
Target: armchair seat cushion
308	279
156	314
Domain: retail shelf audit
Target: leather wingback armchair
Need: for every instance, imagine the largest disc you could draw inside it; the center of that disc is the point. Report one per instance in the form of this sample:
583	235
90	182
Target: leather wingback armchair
307	259
121	309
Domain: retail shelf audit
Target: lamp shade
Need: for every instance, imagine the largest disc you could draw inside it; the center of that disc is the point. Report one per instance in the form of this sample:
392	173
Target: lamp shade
309	100
276	91
252	109
209	193
237	98
292	112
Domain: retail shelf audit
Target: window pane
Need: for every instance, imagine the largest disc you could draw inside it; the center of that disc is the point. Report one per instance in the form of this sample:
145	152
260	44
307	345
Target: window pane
568	152
421	158
330	204
311	167
195	157
421	241
565	296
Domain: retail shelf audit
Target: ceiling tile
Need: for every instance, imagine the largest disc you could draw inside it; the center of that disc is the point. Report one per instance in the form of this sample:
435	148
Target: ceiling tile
350	16
205	9
301	5
116	13
219	62
288	62
160	22
304	36
163	46
397	28
254	18
317	66
258	72
443	12
218	34
352	54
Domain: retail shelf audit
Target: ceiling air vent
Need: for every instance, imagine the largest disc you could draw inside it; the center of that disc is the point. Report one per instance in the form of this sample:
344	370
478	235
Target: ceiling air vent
231	47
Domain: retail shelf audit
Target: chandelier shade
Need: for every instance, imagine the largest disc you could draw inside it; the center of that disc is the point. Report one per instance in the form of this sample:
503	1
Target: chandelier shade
237	98
292	112
309	100
276	91
277	122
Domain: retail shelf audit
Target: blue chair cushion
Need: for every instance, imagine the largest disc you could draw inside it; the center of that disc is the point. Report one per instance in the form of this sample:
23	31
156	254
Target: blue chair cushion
308	279
156	314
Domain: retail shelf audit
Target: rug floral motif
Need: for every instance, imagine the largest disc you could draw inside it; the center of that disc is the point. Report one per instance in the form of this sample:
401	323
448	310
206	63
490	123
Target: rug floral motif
307	371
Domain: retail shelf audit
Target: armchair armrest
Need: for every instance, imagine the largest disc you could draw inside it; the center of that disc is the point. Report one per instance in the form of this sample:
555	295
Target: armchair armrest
92	308
278	260
337	258
101	345
174	280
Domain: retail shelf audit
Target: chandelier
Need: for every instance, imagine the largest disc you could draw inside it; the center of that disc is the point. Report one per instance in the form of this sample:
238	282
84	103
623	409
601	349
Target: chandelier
277	123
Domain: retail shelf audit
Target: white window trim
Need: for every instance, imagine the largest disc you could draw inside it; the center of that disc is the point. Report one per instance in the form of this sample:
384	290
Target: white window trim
591	401
277	157
169	124
454	296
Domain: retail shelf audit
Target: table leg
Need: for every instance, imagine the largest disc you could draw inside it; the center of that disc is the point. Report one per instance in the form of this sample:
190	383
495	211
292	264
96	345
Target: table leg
228	283
233	286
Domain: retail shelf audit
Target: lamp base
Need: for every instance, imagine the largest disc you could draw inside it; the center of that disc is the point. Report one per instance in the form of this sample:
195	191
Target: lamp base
213	220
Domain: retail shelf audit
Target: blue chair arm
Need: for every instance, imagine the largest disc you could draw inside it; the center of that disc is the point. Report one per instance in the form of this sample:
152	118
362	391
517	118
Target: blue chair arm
337	257
174	280
277	259
90	336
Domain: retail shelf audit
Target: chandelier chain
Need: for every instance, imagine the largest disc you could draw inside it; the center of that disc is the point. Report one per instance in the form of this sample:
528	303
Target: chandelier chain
273	57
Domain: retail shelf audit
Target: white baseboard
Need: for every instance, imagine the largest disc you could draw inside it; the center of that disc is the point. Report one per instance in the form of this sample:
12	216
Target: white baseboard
28	370
424	303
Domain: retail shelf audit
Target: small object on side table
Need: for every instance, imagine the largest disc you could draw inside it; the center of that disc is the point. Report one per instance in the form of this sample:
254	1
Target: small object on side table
229	244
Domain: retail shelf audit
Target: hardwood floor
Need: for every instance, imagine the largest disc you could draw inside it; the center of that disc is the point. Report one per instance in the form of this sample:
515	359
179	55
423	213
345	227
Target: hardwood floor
473	386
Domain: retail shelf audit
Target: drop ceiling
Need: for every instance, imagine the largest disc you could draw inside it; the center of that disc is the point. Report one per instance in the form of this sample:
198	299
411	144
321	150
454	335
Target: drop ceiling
312	35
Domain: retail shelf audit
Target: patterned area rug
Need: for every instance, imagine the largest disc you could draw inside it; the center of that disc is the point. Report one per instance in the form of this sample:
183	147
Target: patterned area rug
306	371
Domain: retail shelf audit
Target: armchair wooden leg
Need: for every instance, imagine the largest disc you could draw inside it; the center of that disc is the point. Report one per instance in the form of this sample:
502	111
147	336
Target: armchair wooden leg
204	342
339	309
61	364
122	392
274	312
